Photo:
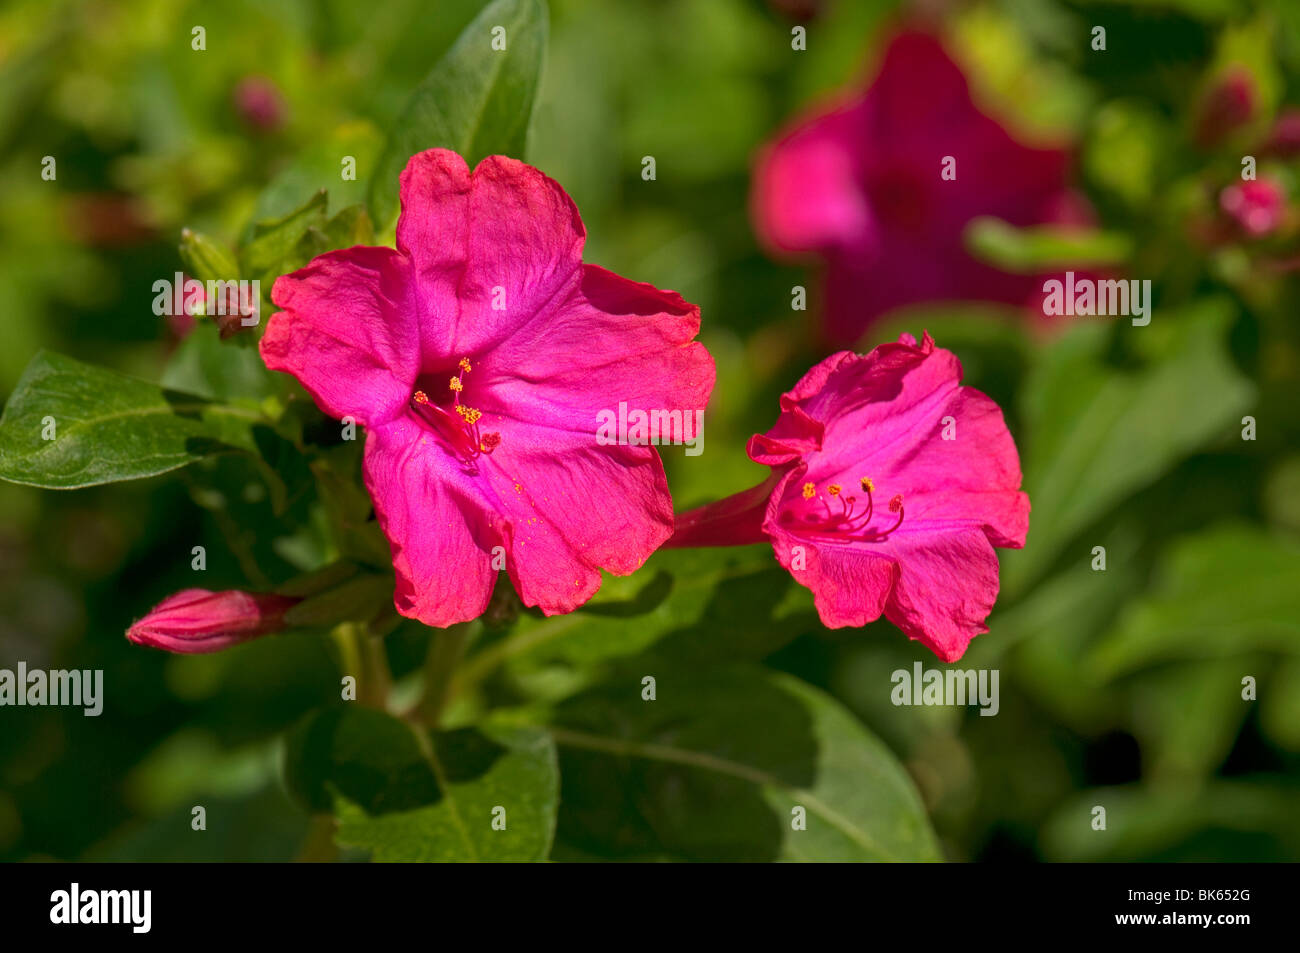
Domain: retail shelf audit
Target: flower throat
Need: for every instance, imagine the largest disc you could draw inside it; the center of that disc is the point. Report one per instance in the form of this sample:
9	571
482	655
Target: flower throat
458	426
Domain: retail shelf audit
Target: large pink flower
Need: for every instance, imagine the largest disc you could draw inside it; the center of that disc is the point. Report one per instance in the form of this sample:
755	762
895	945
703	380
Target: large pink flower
478	355
861	186
891	485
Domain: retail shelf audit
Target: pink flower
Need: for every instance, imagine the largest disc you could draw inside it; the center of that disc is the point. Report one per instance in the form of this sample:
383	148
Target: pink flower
196	620
1256	207
479	355
259	104
1284	139
860	185
891	485
1225	107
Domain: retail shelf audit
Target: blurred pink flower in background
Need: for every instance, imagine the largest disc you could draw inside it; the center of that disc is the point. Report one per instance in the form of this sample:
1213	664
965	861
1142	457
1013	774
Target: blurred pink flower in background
860	186
1225	107
891	485
1284	139
195	621
1257	207
259	104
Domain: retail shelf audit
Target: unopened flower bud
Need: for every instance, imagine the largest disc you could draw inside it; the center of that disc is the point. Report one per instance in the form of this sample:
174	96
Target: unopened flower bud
195	621
1227	106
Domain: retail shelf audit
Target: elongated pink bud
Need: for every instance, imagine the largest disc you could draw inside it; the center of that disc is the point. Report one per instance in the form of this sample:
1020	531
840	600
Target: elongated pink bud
194	621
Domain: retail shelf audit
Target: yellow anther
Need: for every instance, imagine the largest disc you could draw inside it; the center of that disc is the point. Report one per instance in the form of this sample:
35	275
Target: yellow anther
808	490
469	413
456	384
464	365
834	489
868	485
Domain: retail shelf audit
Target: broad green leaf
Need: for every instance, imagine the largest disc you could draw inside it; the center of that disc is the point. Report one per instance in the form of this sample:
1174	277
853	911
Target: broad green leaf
1029	251
1186	717
1097	433
477	100
276	241
1223	592
723	765
349	227
715	603
408	796
1279	703
233	370
107	426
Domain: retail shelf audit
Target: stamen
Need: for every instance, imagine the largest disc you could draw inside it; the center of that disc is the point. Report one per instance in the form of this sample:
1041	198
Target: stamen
462	436
848	524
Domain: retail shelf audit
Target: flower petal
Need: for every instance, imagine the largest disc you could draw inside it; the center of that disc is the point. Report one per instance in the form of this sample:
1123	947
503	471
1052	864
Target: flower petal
344	332
574	507
492	250
610	341
946	587
432	514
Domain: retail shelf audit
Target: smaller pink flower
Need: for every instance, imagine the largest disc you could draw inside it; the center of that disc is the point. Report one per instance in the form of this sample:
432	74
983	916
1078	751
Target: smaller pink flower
195	621
891	485
1256	207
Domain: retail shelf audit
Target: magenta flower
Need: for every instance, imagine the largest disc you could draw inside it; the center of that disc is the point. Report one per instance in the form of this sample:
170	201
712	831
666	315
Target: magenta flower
259	104
479	355
1284	139
891	485
861	185
1225	107
1256	207
195	621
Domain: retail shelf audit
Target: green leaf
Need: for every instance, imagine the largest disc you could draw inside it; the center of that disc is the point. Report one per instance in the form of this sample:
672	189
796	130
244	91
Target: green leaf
714	603
408	796
1145	823
1226	591
349	227
276	241
1029	251
107	426
715	767
476	100
319	167
233	370
1097	434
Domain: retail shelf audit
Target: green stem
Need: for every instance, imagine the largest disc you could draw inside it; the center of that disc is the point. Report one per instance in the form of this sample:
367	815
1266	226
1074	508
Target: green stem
445	652
364	658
